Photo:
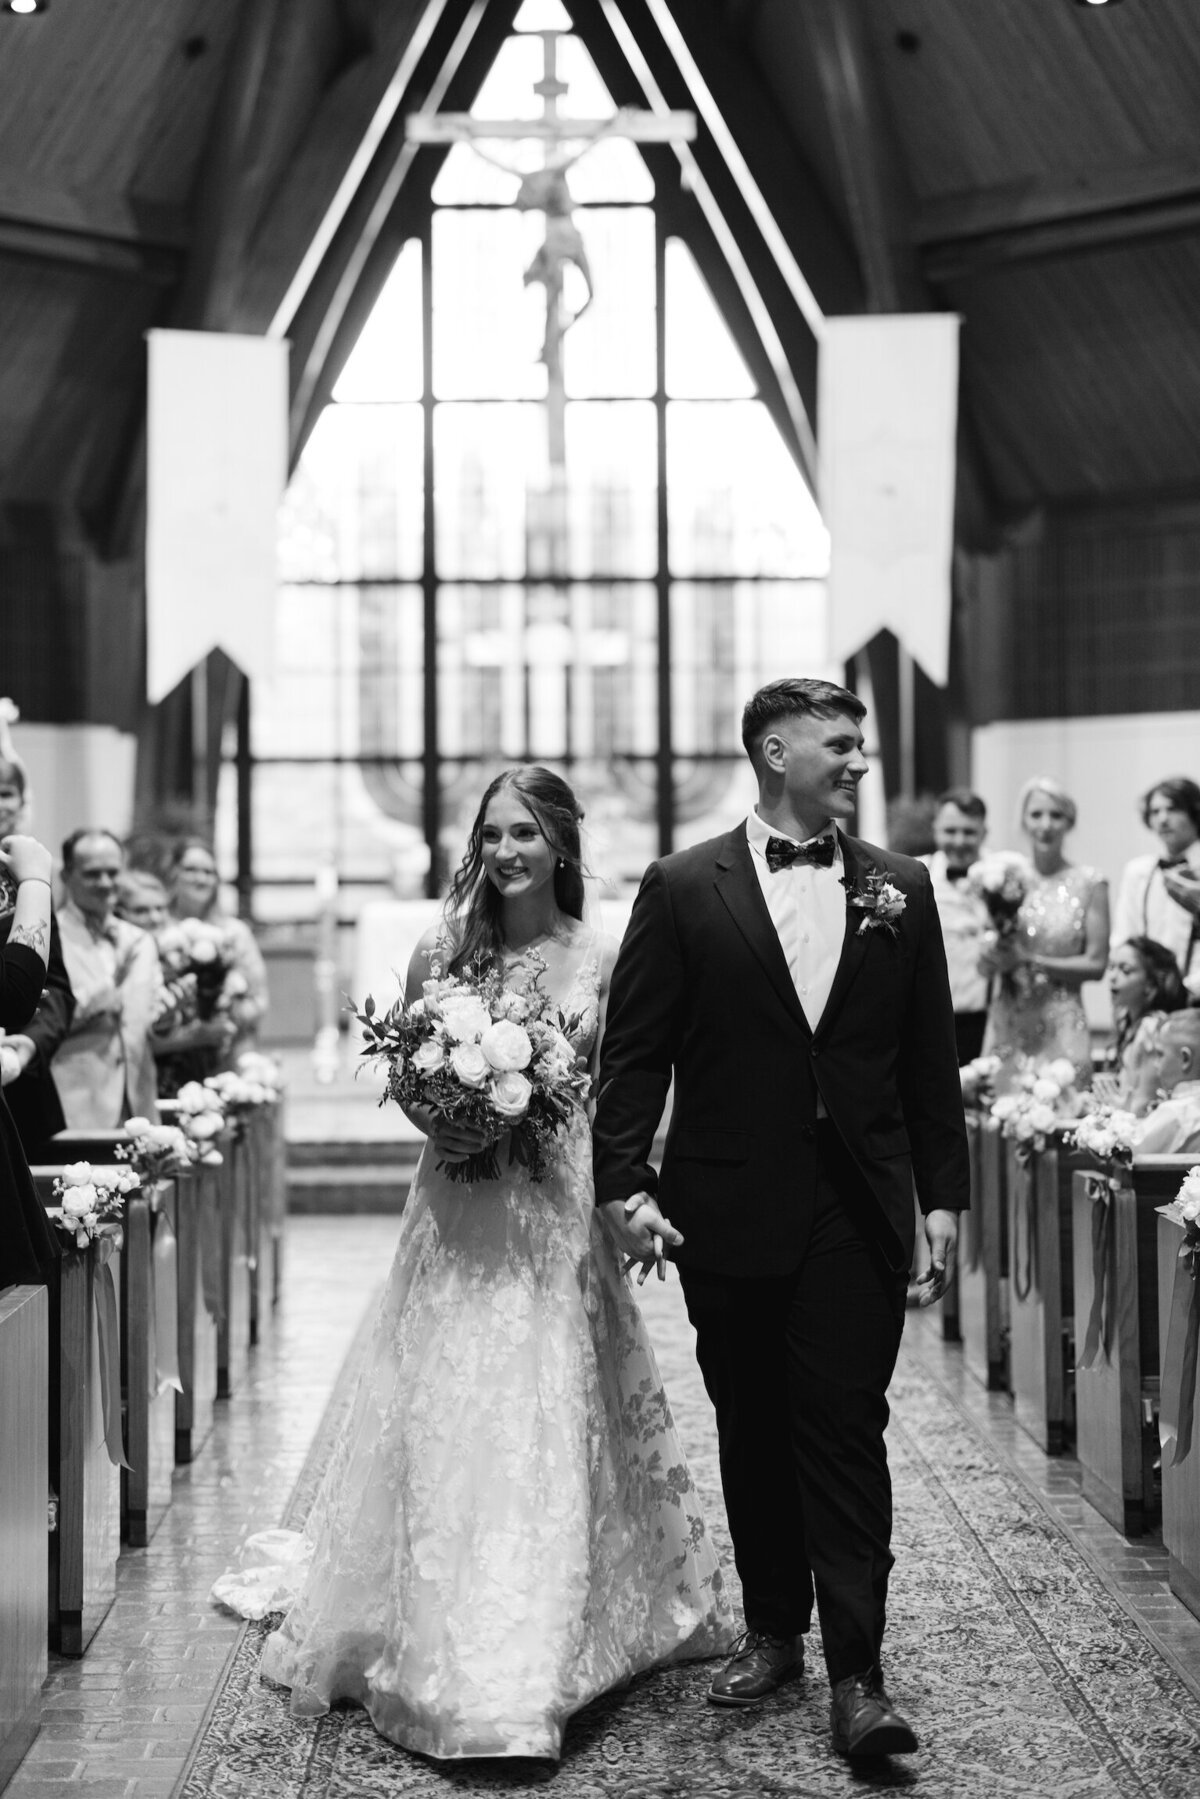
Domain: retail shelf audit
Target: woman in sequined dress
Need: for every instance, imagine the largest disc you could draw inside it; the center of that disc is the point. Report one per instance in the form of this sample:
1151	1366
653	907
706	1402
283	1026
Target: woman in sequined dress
1061	941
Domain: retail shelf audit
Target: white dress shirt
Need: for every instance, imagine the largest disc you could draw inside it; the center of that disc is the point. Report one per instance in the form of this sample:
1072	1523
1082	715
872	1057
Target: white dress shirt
964	919
1145	909
808	909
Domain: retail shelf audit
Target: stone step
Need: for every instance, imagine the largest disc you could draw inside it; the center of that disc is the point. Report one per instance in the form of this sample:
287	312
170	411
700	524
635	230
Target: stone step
339	1189
354	1152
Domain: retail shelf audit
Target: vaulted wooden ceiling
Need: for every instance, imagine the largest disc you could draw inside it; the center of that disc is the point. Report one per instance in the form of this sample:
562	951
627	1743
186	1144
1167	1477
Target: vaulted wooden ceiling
1031	164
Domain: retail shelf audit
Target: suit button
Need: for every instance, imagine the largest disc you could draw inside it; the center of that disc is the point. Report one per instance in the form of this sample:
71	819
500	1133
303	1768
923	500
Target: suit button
815	1050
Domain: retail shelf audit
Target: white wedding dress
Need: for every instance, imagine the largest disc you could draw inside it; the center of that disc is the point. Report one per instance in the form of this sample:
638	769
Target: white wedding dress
508	1527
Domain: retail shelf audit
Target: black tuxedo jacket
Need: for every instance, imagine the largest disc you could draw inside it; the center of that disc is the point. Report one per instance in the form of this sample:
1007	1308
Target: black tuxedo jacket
33	1098
701	993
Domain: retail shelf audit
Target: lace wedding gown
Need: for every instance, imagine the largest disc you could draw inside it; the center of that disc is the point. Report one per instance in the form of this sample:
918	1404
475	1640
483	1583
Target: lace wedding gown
1036	1017
508	1527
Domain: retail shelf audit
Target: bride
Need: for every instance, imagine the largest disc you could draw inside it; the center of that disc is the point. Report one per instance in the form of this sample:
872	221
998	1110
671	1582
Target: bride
508	1527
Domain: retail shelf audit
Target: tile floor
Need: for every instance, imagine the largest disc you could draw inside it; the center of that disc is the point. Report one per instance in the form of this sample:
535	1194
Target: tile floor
120	1721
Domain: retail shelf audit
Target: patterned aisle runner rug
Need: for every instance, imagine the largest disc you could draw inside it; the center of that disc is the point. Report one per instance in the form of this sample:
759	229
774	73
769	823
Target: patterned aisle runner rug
1025	1678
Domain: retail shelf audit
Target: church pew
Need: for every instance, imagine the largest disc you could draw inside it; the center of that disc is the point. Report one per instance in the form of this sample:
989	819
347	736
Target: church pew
24	1456
149	1357
198	1287
86	1542
254	1169
982	1295
233	1322
1180	1483
149	1420
1041	1290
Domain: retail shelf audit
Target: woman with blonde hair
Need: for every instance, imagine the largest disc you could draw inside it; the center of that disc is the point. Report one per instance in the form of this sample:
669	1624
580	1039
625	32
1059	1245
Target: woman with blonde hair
1060	941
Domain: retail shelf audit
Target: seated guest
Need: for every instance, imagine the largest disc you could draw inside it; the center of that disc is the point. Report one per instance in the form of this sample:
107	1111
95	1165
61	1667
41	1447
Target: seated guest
194	889
25	1055
1159	895
1173	1127
104	1068
959	828
1145	984
185	1046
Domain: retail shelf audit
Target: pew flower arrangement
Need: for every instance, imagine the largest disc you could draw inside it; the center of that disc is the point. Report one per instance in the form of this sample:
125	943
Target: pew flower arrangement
155	1152
1106	1132
88	1199
977	1077
1184	1209
1043	1098
477	1052
202	1119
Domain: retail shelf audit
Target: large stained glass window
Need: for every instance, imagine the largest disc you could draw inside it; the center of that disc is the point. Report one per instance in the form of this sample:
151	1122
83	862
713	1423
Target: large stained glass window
451	604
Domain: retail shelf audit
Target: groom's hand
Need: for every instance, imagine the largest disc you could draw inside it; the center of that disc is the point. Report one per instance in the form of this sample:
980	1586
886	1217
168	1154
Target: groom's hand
642	1233
941	1234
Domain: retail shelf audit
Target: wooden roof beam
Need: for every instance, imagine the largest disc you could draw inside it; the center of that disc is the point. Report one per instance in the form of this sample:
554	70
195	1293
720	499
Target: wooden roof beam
91	213
1018	205
959	259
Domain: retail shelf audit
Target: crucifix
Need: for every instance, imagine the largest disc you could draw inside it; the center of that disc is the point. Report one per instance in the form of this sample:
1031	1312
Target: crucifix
545	189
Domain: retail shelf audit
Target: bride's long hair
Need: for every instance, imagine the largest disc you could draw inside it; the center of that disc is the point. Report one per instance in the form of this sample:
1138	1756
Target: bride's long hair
473	906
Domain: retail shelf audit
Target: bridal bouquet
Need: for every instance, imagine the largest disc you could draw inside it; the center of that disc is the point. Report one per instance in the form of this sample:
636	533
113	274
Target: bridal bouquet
1043	1098
1001	881
88	1199
473	1051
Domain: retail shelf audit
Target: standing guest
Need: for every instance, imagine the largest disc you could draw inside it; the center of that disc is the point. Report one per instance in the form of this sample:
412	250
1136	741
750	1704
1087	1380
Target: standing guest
25	1055
1159	895
28	1250
959	828
194	887
104	1069
1060	941
791	981
185	1046
1144	985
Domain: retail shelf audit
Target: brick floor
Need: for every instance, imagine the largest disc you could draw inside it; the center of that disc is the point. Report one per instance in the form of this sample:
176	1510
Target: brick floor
121	1720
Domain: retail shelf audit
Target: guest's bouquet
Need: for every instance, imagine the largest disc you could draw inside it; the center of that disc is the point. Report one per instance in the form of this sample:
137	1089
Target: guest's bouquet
88	1199
198	960
1105	1131
202	1119
473	1051
1001	881
155	1152
1043	1099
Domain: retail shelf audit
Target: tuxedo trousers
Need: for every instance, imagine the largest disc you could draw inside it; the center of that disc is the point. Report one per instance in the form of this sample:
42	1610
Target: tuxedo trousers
797	1366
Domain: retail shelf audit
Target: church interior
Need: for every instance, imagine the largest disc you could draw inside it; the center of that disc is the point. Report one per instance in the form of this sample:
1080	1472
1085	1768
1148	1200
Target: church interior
396	391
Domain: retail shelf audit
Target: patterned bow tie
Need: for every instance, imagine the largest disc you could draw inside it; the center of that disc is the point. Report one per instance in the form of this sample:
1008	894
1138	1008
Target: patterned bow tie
1172	861
781	853
956	874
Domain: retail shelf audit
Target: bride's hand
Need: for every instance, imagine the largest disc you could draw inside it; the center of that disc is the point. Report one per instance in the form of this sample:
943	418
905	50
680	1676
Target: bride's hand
455	1142
642	1233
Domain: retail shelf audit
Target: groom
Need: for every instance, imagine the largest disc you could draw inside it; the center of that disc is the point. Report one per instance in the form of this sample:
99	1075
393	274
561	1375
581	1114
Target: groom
792	981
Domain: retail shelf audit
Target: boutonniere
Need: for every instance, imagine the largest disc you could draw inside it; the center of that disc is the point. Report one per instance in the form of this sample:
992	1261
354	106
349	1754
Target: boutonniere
879	902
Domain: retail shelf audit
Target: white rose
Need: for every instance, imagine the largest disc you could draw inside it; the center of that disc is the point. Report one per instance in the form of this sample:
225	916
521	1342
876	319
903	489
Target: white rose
1062	1071
510	1094
513	1006
79	1201
138	1127
77	1174
203	950
1046	1089
465	1017
506	1046
192	1097
470	1064
429	1058
1005	1107
203	1125
1042	1118
127	1181
1189	1209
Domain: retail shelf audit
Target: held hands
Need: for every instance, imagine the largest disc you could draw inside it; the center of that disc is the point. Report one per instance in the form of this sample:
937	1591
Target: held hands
455	1142
941	1233
25	859
999	955
642	1233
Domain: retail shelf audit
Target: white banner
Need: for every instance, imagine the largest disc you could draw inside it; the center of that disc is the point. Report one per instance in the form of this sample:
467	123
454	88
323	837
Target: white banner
217	466
887	408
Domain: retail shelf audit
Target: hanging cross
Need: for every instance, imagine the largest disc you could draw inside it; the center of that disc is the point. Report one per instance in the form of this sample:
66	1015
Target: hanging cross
564	141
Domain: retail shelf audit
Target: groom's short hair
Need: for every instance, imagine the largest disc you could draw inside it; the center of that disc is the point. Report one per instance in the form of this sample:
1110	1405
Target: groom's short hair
797	697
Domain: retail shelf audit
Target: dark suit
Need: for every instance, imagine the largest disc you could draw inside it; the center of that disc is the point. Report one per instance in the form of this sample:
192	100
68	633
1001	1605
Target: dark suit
33	1098
798	1229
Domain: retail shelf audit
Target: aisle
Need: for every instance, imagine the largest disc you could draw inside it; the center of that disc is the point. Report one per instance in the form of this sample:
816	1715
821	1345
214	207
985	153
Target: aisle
1019	1642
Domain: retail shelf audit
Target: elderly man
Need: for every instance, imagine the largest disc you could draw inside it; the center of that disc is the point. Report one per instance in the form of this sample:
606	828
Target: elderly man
104	1070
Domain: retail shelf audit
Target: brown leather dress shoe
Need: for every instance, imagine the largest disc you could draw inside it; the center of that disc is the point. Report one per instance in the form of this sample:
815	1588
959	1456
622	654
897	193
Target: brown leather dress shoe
864	1720
759	1666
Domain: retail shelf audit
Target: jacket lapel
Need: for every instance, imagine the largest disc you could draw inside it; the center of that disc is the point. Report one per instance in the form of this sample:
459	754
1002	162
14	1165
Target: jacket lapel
737	885
854	945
